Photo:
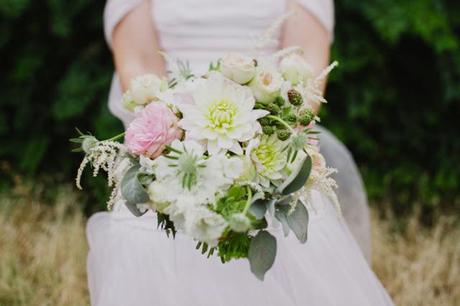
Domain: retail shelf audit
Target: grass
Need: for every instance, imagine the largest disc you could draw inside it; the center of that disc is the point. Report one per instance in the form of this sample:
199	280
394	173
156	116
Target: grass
43	254
420	266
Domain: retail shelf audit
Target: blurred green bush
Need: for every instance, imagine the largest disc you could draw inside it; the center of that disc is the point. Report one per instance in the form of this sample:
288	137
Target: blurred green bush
395	100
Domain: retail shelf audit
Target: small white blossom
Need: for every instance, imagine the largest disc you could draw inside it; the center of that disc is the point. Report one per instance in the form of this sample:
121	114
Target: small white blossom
191	175
204	225
239	222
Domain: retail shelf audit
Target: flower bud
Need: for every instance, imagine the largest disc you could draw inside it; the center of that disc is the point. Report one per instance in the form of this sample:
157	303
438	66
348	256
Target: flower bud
279	101
88	143
264	121
268	130
295	98
273	108
283	134
306	117
290	118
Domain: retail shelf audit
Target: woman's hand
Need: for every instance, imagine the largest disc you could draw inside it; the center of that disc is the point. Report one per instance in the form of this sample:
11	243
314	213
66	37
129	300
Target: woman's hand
135	46
304	30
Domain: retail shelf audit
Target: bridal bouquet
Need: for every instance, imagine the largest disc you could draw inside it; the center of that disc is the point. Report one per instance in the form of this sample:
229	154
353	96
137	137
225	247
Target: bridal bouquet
222	157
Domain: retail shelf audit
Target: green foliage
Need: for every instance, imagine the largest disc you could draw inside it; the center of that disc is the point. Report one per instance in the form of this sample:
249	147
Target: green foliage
394	101
262	253
234	246
133	191
55	73
294	218
395	98
298	179
234	202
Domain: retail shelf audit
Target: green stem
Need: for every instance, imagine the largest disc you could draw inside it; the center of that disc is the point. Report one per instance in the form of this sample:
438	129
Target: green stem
249	202
173	150
116	137
281	121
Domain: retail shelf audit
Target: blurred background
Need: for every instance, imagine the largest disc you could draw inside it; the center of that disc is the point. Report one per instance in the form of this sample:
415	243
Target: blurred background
394	101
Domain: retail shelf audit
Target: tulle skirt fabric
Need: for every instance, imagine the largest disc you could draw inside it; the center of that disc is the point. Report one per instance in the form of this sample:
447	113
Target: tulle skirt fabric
133	263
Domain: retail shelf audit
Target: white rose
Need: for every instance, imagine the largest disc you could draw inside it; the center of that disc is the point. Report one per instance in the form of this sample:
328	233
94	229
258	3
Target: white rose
238	68
266	85
143	90
296	69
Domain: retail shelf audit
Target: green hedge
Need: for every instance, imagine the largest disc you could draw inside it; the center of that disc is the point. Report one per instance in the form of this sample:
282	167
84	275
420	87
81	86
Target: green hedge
394	100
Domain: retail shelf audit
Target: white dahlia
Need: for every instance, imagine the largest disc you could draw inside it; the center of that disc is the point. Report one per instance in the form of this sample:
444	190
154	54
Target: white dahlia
269	157
222	115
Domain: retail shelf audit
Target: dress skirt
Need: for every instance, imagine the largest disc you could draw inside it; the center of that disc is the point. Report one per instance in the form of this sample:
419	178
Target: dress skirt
132	263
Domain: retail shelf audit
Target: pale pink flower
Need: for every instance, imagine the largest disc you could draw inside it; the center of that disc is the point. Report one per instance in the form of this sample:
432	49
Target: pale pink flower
154	128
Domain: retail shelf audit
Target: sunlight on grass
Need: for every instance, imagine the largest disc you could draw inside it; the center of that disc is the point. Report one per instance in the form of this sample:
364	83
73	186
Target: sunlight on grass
43	256
42	252
420	266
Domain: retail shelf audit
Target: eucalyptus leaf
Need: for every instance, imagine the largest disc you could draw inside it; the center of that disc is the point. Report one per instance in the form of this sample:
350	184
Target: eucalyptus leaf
286	200
281	215
298	221
262	253
298	179
133	192
259	207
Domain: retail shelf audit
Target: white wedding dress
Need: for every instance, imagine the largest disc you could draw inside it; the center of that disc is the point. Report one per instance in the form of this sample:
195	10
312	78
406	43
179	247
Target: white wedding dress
131	263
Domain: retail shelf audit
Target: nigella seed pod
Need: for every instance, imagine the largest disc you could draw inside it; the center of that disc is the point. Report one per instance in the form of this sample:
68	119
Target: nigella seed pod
295	98
273	108
291	119
264	121
283	134
268	130
279	101
306	117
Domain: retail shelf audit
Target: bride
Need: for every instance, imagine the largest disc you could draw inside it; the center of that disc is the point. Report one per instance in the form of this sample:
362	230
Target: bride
130	262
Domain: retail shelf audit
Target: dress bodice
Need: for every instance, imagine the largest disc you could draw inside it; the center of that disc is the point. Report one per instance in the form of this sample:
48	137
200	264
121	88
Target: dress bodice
200	31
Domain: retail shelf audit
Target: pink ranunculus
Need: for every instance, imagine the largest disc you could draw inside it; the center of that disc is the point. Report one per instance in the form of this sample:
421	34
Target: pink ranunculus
154	128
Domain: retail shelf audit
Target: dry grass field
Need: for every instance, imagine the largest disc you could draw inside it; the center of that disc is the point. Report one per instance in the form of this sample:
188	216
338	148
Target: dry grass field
43	252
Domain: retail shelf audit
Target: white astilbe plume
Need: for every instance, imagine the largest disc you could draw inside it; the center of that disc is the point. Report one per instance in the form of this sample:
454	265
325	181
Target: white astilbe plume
287	51
270	38
102	155
322	182
313	90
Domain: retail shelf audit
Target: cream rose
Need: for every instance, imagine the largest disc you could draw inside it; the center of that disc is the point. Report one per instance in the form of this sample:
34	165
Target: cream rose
238	68
143	90
266	85
296	69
